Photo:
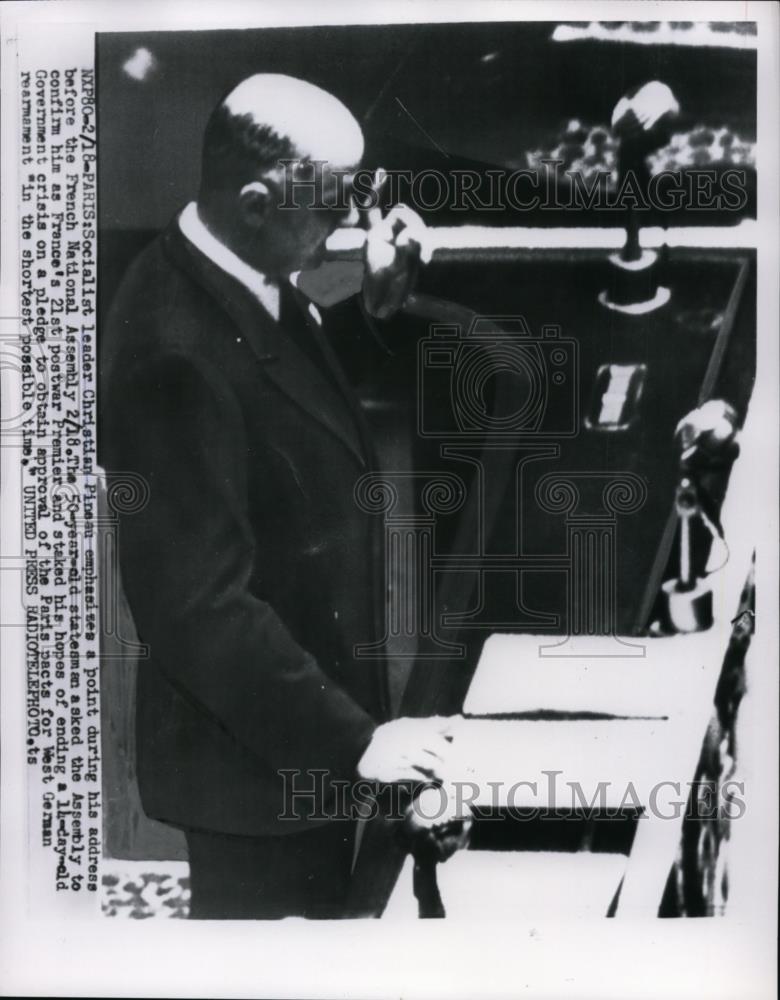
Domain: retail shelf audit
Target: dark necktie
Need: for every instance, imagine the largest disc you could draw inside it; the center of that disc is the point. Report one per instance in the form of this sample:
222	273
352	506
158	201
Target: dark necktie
310	339
304	331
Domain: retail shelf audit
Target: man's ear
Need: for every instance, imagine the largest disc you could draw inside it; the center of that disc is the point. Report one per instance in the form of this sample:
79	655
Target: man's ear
254	201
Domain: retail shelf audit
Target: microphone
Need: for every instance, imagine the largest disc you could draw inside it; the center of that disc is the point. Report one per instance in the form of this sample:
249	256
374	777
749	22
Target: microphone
641	119
707	441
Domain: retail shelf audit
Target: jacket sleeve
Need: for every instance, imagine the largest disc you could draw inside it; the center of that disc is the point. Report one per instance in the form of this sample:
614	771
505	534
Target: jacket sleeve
188	558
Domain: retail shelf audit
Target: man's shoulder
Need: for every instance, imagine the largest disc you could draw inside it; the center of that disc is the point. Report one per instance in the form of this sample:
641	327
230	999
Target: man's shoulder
156	284
160	306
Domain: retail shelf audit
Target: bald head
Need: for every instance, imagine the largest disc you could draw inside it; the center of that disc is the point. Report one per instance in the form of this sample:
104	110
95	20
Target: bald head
270	117
315	122
253	141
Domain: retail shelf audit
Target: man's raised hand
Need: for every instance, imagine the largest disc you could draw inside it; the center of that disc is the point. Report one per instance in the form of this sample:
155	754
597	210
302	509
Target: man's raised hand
394	248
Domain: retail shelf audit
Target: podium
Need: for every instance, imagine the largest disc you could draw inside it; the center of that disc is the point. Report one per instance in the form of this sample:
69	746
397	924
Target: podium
573	735
568	737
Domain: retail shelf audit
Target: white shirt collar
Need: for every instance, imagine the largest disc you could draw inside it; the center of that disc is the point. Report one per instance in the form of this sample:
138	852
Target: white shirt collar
265	291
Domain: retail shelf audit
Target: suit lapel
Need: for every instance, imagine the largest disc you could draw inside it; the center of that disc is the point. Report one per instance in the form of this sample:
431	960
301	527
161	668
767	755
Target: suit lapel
281	360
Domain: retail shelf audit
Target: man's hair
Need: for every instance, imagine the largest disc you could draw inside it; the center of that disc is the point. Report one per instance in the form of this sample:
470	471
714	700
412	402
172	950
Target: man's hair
236	147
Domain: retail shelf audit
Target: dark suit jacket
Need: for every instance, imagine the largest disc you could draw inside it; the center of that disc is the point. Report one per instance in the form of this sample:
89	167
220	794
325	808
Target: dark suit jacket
251	572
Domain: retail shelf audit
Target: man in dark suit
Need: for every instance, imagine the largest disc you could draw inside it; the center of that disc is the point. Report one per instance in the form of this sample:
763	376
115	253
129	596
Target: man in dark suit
251	573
